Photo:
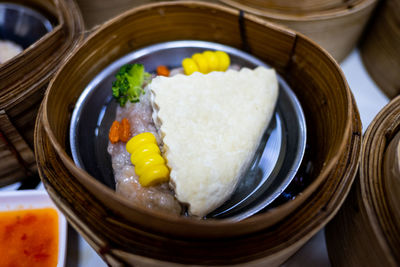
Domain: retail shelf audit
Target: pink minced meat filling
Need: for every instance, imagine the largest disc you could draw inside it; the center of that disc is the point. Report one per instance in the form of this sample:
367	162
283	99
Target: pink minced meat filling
158	198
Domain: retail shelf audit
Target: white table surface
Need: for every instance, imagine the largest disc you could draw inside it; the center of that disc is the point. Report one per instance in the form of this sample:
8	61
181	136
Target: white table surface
370	100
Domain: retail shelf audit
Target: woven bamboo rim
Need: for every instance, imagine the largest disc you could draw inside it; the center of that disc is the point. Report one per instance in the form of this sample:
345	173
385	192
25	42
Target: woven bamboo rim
391	176
297	6
380	49
97	12
367	216
115	228
23	80
278	10
337	29
336	25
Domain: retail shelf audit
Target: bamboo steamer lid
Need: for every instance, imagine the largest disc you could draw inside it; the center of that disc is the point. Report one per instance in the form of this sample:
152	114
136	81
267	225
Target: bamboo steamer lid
380	48
23	80
124	234
371	213
335	26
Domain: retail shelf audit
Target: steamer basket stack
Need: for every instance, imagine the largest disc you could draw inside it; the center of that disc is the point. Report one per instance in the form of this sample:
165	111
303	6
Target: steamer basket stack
23	81
366	230
97	12
64	63
124	234
380	49
333	24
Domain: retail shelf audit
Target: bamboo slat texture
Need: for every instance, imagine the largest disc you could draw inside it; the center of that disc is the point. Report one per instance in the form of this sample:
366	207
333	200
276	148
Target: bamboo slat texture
368	223
380	49
97	12
124	234
335	25
296	6
23	81
391	176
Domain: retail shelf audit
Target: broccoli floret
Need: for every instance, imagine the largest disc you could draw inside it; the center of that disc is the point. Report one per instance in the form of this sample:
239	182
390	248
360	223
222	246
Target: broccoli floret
128	85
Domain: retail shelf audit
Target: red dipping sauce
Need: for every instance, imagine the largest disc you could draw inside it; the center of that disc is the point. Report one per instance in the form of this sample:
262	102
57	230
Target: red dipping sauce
29	238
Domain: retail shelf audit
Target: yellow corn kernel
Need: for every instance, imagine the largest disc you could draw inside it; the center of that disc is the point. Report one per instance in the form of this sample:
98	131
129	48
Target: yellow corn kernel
154	175
189	66
223	60
201	62
143	151
148	162
140	139
212	60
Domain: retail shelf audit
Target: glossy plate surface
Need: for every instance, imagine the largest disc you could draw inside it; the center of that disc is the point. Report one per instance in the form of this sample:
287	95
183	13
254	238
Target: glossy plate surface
277	159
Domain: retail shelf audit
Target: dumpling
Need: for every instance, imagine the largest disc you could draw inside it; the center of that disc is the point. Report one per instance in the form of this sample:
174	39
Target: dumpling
211	125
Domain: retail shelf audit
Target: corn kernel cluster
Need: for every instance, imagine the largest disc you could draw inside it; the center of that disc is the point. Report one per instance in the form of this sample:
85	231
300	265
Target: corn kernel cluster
206	62
146	157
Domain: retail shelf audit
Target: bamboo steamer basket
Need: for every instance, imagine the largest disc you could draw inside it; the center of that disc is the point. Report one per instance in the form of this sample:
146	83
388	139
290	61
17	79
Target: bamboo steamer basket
124	234
99	11
380	48
391	176
23	80
335	25
295	5
366	230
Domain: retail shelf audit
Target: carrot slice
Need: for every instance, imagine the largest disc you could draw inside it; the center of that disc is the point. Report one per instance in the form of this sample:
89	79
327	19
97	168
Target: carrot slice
125	130
113	135
162	70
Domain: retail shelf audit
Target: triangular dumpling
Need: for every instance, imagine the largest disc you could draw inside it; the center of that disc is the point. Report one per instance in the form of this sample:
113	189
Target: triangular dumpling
211	125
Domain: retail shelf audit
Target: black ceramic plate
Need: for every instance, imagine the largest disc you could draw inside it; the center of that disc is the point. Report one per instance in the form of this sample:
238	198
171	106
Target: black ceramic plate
277	159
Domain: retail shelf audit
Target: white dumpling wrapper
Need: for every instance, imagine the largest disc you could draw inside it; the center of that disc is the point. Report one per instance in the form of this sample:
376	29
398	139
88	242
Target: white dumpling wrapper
211	125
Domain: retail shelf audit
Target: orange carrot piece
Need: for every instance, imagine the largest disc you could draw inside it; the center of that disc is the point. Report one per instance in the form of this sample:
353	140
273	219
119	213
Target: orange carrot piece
124	130
113	135
162	70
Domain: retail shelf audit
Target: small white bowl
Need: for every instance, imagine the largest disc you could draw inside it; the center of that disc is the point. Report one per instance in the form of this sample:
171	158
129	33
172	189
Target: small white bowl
36	199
